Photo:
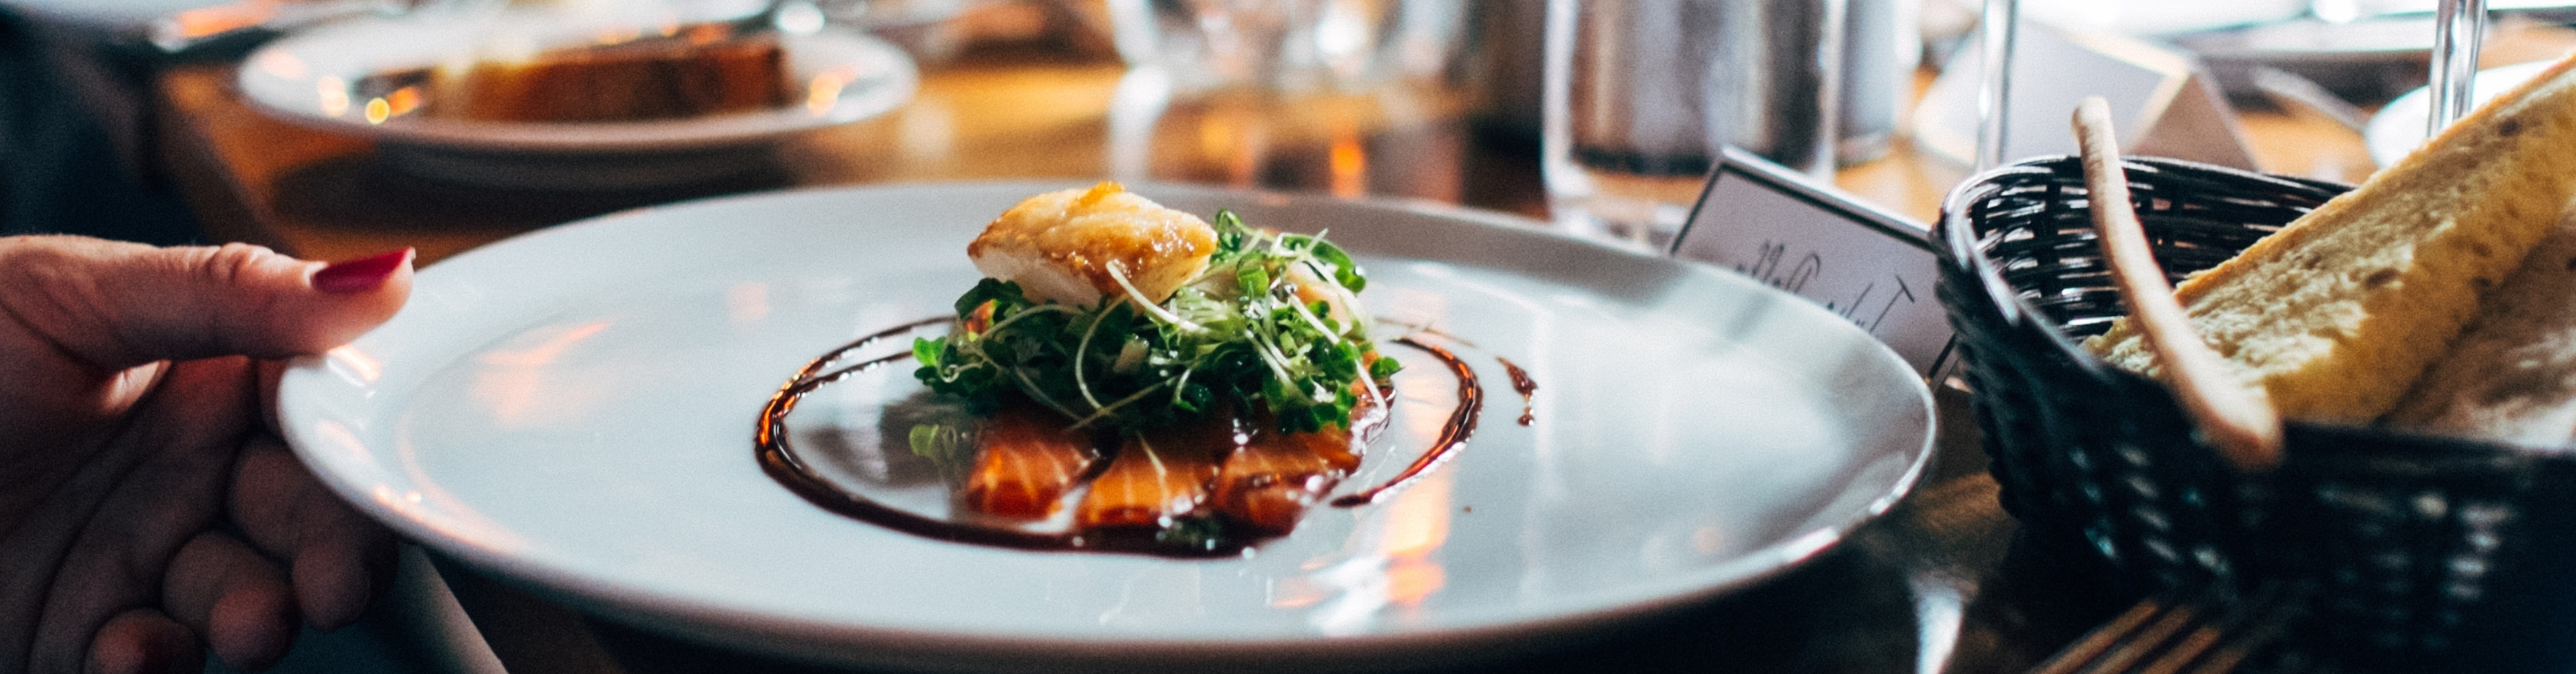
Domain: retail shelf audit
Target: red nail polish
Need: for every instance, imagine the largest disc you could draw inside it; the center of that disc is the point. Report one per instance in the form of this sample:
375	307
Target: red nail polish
362	274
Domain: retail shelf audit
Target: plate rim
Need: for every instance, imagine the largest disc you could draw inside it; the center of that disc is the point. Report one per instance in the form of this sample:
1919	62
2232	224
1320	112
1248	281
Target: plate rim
937	648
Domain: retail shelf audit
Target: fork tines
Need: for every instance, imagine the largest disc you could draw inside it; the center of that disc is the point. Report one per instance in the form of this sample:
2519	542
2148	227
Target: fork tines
2202	633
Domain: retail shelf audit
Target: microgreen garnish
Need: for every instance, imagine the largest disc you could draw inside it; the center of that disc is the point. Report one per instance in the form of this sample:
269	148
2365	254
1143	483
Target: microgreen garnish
1273	325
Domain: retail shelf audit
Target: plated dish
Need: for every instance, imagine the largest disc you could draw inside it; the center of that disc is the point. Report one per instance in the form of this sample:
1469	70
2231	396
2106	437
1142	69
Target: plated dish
572	410
2398	128
1127	377
349	77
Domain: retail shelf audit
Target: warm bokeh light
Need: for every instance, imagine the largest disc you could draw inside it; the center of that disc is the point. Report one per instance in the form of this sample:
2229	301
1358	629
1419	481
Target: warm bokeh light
1349	165
1218	133
824	92
334	435
281	64
378	110
514	385
352	362
225	18
926	132
332	95
1237	135
1417	525
543	353
617	35
404	100
707	33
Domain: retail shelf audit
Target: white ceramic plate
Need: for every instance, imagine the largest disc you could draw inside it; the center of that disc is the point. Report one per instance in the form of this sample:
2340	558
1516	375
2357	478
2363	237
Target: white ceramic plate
2159	18
311	78
2398	128
573	409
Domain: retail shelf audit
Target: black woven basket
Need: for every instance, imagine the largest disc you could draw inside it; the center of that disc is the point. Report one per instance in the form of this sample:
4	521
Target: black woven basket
2416	553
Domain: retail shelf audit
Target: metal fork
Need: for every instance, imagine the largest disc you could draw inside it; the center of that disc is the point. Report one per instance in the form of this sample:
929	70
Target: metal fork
2205	633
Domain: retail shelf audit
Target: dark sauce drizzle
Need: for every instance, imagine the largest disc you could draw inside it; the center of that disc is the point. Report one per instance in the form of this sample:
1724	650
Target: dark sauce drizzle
1521	381
778	458
1462	423
1522	384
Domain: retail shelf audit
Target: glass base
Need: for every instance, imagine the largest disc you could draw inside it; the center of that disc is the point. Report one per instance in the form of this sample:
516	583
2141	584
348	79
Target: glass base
1644	212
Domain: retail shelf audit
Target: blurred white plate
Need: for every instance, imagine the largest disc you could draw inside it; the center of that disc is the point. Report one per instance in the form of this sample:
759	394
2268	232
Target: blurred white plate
2399	127
573	409
2158	18
312	77
111	12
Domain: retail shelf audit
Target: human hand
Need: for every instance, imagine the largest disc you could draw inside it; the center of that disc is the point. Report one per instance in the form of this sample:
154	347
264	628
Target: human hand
147	511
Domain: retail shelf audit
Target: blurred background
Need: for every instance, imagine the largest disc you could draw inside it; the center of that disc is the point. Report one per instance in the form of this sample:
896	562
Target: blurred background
1436	99
283	122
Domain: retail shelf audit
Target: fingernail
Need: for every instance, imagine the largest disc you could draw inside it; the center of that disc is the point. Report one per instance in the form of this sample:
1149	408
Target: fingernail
360	275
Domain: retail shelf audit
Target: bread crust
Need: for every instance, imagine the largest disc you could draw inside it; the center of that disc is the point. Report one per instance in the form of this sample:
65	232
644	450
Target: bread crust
2511	377
2339	312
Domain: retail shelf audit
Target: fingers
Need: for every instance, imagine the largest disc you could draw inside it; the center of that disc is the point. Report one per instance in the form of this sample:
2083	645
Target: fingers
237	599
102	545
269	374
117	305
340	559
143	641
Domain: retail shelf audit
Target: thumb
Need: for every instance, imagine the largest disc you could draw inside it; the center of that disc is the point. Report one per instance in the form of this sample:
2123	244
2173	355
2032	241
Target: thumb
118	305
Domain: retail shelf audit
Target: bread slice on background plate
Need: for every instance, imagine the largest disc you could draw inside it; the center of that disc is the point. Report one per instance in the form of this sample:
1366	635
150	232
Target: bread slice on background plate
2338	313
2511	376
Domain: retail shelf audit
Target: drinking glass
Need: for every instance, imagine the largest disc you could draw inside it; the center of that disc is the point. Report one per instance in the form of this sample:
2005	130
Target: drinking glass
1641	95
1350	97
1288	45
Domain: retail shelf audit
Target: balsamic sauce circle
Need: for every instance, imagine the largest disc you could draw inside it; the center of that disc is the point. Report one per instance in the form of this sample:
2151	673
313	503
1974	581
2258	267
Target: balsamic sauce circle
779	459
1462	423
1521	384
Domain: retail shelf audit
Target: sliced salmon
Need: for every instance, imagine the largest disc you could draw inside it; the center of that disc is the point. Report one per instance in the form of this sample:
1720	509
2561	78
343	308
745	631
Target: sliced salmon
1279	474
1157	476
1268	484
1026	459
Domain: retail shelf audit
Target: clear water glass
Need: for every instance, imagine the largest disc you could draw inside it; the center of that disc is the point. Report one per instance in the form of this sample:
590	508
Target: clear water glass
1641	95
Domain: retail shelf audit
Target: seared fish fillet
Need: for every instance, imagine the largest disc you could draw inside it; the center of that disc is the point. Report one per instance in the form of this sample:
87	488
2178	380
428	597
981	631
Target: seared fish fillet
1063	246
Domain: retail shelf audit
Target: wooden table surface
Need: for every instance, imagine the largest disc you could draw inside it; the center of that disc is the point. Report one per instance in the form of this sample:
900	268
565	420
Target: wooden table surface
1025	112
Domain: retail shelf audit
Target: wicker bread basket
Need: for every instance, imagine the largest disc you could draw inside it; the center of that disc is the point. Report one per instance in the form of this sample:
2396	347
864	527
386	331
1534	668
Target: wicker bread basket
2412	552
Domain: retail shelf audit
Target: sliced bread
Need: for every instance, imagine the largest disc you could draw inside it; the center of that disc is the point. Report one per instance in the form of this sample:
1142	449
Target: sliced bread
2337	313
2512	374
